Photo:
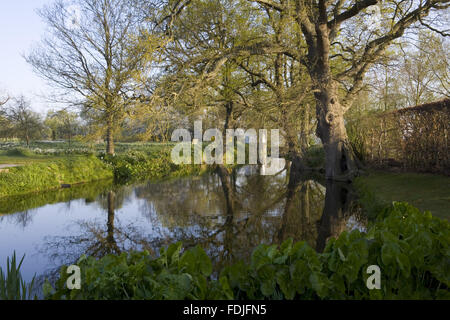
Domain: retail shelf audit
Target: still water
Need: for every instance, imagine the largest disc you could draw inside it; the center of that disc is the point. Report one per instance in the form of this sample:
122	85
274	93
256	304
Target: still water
228	214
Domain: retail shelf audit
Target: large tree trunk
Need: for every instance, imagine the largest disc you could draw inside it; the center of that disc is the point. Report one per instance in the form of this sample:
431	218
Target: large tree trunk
340	161
340	164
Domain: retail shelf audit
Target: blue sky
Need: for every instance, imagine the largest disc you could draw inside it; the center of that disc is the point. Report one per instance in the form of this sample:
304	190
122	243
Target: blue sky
20	27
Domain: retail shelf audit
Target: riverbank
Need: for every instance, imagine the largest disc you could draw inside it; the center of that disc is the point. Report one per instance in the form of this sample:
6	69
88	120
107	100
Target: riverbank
289	271
430	192
32	171
398	241
88	192
136	166
52	174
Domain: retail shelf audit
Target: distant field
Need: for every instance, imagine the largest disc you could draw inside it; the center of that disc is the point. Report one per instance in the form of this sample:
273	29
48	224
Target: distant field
48	165
21	160
425	191
38	152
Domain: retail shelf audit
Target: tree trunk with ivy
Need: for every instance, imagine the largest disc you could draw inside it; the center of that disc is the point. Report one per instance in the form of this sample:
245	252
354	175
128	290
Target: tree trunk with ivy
340	161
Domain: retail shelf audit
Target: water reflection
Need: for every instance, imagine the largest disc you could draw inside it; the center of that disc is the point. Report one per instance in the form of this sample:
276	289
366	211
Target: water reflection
88	192
228	212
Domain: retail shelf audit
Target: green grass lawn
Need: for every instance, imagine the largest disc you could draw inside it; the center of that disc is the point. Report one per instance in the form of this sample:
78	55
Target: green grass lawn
425	191
37	176
29	160
6	157
19	153
46	166
23	157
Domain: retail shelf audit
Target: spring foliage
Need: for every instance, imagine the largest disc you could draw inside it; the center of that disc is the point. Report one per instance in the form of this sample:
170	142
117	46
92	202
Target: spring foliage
139	165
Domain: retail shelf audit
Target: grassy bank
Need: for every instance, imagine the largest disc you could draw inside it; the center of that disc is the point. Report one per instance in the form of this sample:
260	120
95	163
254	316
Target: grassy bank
51	174
23	156
44	169
425	191
38	150
89	192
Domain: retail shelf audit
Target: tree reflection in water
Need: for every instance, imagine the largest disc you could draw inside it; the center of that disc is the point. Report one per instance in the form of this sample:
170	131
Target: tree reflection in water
228	213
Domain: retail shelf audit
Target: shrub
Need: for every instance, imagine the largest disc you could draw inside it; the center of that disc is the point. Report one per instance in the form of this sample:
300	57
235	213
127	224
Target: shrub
13	204
414	138
372	204
19	152
137	165
357	141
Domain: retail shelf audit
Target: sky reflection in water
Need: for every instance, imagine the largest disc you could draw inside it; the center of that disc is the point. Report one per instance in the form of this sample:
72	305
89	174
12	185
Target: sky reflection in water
227	214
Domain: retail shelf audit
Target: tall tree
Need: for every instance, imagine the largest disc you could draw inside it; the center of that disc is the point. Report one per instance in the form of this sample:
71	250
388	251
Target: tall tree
244	90
64	124
340	49
25	124
286	81
94	55
425	70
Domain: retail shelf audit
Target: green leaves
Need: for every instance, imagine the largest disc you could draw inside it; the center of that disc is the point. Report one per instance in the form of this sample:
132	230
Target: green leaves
196	261
12	286
320	284
136	275
266	275
137	165
283	278
410	247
